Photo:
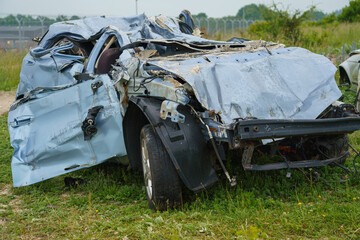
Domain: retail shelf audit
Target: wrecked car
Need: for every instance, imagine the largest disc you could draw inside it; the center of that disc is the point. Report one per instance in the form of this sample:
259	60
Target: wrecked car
173	103
350	72
349	69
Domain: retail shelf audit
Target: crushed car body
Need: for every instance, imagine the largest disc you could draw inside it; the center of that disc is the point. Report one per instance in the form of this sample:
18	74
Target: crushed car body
174	103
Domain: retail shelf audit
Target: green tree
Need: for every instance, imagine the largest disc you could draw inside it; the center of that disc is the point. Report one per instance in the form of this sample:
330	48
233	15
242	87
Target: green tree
200	15
9	20
279	24
251	12
350	13
328	19
61	18
74	17
317	15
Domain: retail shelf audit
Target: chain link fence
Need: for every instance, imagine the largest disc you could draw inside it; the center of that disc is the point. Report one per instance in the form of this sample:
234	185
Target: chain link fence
222	26
18	32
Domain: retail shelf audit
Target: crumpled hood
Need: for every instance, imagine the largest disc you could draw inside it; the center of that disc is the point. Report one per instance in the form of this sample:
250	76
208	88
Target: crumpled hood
284	83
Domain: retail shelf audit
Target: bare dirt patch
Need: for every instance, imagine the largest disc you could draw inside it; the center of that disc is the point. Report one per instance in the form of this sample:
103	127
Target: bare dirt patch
5	190
14	203
6	99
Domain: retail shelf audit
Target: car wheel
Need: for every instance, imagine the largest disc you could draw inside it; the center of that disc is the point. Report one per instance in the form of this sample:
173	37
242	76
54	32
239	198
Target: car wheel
162	184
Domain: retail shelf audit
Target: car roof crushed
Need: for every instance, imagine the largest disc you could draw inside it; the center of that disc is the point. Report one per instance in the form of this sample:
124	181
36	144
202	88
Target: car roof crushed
237	80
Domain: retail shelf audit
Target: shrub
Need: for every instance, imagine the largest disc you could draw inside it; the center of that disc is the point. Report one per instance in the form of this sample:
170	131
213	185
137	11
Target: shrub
279	24
350	13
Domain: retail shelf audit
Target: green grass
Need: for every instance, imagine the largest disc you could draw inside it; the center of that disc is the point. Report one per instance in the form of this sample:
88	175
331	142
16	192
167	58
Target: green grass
330	38
113	205
324	39
10	65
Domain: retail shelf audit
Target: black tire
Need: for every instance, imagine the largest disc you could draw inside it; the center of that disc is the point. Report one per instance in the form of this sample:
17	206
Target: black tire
162	184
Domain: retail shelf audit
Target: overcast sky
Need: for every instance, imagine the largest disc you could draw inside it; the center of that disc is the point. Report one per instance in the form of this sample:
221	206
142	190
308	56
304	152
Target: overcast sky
212	8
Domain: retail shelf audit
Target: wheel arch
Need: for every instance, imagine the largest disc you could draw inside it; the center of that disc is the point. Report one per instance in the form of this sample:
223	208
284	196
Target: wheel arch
185	143
344	74
134	120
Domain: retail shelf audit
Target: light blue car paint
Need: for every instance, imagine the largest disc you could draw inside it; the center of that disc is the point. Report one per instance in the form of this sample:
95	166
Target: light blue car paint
45	124
49	140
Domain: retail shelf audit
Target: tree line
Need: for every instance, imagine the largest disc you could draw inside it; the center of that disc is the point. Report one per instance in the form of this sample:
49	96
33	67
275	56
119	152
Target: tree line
350	13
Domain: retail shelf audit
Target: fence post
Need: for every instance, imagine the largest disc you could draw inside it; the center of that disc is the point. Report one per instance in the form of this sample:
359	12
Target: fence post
239	26
224	27
208	26
42	19
198	22
216	25
232	26
20	20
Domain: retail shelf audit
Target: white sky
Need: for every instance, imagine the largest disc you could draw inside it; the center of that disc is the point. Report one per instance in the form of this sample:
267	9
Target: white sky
212	8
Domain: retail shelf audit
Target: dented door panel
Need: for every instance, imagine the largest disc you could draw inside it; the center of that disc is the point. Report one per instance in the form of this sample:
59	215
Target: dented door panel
51	142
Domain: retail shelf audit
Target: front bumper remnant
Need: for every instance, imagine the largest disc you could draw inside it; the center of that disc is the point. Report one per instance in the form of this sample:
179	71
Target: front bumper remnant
276	128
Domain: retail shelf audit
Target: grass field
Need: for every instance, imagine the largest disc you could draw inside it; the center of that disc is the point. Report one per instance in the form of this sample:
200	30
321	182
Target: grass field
324	39
113	203
10	65
330	38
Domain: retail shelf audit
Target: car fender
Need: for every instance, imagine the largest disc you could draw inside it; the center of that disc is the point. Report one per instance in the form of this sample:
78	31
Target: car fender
184	142
351	68
345	73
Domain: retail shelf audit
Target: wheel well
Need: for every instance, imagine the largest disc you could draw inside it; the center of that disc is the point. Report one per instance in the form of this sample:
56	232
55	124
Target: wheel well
133	122
185	143
343	76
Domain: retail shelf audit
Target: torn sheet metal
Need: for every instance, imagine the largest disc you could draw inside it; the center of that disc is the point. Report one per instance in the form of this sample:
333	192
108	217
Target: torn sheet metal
137	27
47	72
289	83
45	67
47	136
